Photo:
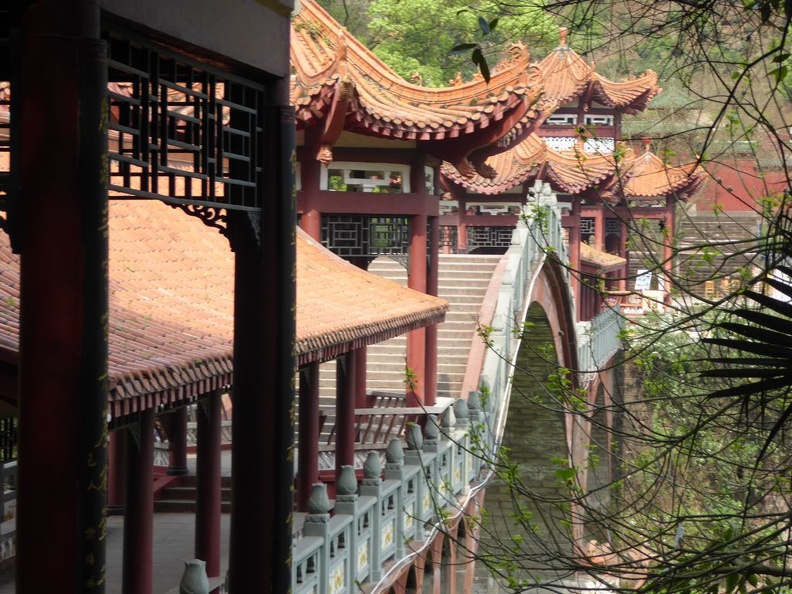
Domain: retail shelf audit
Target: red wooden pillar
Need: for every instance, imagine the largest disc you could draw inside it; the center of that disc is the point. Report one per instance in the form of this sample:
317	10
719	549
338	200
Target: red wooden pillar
116	471
308	463
668	247
345	411
432	282
361	361
62	214
624	253
208	502
310	173
137	573
461	197
264	365
574	255
177	436
416	340
599	228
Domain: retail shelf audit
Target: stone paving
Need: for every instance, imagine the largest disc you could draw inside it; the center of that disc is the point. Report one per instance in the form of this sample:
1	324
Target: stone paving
174	541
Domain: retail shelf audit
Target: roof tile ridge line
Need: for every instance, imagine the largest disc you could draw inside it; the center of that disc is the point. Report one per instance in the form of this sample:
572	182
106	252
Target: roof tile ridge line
356	50
516	77
312	75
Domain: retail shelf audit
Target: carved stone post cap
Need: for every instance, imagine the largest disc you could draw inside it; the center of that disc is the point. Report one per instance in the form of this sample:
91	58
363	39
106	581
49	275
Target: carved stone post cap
394	454
461	410
432	428
347	481
449	418
372	467
474	401
194	580
319	502
414	437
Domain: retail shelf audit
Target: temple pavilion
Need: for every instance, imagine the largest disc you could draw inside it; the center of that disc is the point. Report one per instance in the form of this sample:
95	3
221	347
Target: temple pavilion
166	269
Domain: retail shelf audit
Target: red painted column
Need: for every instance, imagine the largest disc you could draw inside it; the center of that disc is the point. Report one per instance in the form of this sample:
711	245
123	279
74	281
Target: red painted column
116	471
310	174
138	555
574	255
668	247
208	502
61	234
177	436
624	253
416	340
432	282
308	461
345	411
599	229
264	365
361	362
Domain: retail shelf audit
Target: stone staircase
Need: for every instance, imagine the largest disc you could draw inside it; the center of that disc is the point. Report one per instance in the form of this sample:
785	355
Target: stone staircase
181	498
463	282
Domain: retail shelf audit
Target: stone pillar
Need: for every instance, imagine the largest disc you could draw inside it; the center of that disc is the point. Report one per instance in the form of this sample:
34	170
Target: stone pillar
208	500
308	471
345	411
177	437
139	513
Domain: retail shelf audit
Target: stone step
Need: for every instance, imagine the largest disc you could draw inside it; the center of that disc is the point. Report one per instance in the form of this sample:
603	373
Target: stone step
181	498
184	506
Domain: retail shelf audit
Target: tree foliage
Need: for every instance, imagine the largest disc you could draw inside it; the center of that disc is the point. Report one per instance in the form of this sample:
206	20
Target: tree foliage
701	499
417	36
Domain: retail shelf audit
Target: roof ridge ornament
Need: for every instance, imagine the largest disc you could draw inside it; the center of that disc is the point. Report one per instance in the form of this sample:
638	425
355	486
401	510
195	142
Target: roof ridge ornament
563	34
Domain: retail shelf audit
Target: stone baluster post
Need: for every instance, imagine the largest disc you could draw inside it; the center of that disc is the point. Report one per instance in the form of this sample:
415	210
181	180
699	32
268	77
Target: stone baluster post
478	432
462	424
317	523
372	487
394	470
426	480
347	503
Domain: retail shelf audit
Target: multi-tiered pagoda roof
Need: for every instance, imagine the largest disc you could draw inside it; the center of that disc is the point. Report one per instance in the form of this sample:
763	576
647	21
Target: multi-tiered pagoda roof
339	85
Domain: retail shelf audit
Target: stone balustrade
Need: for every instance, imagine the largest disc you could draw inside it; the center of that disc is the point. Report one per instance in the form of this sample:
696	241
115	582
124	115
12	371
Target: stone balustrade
391	512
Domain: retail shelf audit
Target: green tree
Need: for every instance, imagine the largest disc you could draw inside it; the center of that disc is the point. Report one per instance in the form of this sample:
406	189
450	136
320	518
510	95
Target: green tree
701	502
416	36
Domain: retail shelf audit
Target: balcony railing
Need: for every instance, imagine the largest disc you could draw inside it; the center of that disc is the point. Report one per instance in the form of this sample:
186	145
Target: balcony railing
349	542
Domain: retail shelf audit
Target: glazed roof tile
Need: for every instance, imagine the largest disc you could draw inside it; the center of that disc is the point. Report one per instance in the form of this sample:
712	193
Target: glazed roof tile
566	76
570	172
650	177
171	305
327	62
644	177
595	258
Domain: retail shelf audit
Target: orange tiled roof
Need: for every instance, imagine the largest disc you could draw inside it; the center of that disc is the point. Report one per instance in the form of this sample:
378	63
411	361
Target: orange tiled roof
332	69
566	76
595	258
171	305
650	177
570	172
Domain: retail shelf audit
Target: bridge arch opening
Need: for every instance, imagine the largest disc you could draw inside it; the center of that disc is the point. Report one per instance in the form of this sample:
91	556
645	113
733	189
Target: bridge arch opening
527	512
